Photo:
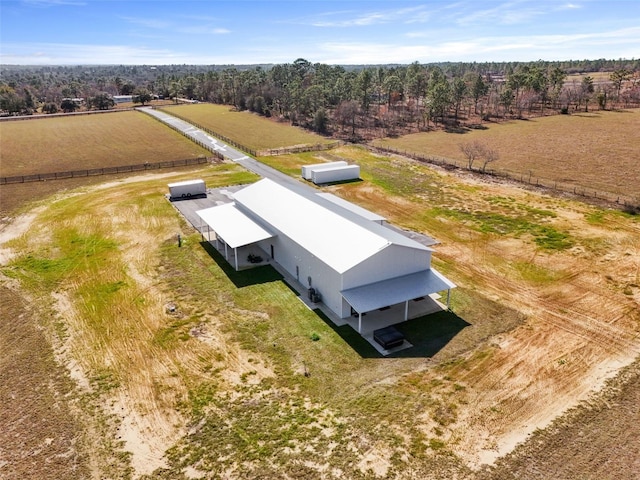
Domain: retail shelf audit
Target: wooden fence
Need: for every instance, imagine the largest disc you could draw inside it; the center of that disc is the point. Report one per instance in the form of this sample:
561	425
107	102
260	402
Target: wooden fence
219	136
42	177
527	179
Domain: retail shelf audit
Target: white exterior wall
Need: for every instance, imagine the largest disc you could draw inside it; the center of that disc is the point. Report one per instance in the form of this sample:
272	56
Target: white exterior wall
188	187
393	261
289	255
324	279
307	169
335	174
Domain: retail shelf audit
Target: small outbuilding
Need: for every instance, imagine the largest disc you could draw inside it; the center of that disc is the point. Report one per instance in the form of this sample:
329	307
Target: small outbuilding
307	170
341	173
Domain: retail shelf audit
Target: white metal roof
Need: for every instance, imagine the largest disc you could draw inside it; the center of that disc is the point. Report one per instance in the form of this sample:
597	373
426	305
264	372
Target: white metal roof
338	237
308	169
341	202
395	290
185	182
233	226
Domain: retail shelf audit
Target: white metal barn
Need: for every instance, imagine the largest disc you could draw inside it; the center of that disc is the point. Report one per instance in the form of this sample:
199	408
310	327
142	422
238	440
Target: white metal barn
355	264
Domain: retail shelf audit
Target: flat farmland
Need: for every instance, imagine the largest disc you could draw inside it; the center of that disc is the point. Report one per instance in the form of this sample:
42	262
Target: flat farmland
545	310
248	129
81	142
596	151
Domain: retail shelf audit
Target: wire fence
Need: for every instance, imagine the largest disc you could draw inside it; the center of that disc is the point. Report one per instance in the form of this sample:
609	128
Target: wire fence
527	179
42	177
319	147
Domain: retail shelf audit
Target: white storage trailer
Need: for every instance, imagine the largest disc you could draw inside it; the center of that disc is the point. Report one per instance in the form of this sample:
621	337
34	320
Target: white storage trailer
308	169
335	174
187	188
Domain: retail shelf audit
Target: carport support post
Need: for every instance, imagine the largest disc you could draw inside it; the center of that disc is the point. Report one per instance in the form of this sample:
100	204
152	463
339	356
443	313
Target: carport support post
359	322
235	253
448	298
406	310
226	253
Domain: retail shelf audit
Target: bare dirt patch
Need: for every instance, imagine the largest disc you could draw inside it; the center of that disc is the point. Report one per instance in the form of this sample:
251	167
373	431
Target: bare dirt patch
42	435
595	151
208	374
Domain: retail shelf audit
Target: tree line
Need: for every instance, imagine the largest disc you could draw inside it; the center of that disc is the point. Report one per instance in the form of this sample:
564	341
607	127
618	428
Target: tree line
349	101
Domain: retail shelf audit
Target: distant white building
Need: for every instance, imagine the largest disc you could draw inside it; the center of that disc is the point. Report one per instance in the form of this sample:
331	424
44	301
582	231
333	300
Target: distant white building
122	98
353	262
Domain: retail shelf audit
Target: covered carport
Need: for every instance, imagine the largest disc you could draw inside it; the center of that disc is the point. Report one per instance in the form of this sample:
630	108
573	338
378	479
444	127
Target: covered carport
394	291
233	228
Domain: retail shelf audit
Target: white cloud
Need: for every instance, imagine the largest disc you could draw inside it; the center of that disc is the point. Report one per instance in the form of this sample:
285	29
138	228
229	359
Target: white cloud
189	28
510	13
202	30
54	3
73	54
569	6
351	19
625	42
622	43
148	22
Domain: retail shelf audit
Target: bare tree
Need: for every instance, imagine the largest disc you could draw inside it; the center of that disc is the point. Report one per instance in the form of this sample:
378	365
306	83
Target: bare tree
476	150
489	155
472	150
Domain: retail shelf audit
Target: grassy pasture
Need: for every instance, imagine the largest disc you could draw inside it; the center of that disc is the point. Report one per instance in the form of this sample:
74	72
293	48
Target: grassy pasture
126	344
89	141
229	362
247	129
593	151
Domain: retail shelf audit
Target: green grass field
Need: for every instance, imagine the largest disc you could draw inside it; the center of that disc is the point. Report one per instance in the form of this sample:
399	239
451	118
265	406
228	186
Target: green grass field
89	141
593	151
251	130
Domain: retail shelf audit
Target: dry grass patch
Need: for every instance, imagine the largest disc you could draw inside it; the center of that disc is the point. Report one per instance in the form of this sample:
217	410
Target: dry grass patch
593	151
89	141
251	130
218	383
570	269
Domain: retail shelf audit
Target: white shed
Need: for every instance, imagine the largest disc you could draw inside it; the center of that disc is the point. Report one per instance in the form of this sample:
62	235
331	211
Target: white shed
308	169
338	173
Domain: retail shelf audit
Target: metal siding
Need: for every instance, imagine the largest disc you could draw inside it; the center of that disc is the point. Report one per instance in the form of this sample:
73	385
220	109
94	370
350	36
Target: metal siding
289	254
308	169
393	261
336	174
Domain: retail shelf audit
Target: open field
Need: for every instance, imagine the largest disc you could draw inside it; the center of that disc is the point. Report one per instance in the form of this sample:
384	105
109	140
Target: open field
547	308
251	130
89	141
592	151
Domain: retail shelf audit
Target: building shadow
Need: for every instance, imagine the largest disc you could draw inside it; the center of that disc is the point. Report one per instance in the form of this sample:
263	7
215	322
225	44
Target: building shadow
428	334
242	278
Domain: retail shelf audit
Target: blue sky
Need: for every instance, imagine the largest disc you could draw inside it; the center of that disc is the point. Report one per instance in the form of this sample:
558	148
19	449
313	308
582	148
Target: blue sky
152	32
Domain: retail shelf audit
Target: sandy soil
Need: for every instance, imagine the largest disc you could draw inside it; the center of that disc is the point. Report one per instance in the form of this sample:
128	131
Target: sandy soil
579	332
577	335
